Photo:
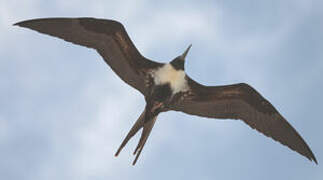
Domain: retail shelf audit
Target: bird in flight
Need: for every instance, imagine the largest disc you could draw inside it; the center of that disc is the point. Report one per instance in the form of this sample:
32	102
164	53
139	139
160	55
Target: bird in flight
166	86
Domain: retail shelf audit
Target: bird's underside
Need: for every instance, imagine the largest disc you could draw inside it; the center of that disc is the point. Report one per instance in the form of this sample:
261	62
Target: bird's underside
167	87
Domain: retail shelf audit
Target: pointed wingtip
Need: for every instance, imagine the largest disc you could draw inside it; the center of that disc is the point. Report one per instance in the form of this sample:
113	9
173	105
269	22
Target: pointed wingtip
311	155
20	23
16	24
27	23
314	159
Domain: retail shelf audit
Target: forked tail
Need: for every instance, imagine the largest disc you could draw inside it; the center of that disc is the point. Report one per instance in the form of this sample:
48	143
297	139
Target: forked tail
147	127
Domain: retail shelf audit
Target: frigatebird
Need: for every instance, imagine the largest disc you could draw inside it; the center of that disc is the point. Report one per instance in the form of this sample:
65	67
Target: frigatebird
167	87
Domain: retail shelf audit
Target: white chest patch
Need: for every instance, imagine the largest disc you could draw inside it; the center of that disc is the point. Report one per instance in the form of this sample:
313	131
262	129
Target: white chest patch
176	79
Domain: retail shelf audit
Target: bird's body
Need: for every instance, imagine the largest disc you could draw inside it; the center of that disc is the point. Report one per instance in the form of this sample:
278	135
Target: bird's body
167	82
167	87
176	79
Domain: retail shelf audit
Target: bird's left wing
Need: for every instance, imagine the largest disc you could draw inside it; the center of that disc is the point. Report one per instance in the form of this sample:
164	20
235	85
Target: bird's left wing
241	101
108	37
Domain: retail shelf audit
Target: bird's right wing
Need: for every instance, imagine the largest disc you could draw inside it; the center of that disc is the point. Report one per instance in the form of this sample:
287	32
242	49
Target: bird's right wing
241	101
108	37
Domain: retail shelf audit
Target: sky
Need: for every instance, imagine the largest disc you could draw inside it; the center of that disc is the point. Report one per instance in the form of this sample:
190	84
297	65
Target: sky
64	112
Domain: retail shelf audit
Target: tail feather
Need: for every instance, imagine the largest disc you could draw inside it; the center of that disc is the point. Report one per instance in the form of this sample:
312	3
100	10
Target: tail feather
148	126
135	128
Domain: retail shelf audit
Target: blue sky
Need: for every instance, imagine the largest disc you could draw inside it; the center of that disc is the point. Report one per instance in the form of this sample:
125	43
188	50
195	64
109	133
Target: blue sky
63	112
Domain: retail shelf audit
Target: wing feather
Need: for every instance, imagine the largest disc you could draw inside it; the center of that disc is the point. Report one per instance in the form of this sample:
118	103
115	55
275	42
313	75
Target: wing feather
241	101
108	37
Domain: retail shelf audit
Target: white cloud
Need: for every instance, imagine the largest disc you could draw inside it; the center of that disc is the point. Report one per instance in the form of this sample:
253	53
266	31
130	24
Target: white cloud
99	109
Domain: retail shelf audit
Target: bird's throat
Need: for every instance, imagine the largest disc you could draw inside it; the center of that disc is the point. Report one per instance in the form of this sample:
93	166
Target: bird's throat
167	74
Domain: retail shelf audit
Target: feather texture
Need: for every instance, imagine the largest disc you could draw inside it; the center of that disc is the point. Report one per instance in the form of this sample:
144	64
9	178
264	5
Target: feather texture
108	37
241	101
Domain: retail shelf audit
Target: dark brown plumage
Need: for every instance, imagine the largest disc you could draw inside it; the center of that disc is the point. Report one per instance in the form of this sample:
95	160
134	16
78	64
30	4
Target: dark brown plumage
241	101
108	37
166	86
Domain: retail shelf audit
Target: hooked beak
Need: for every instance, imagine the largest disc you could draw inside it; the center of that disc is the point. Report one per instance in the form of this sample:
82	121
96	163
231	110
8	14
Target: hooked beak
183	56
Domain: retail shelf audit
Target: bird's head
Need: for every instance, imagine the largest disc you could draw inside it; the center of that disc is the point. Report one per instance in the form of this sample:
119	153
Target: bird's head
178	62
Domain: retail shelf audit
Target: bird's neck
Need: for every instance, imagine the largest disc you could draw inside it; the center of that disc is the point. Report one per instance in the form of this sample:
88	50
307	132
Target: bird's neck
167	74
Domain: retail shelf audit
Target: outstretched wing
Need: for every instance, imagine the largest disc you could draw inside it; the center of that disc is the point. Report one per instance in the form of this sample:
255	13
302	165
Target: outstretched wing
108	37
241	101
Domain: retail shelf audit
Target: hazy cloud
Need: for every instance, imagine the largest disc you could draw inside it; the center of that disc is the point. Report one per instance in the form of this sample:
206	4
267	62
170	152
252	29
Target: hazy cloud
63	112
